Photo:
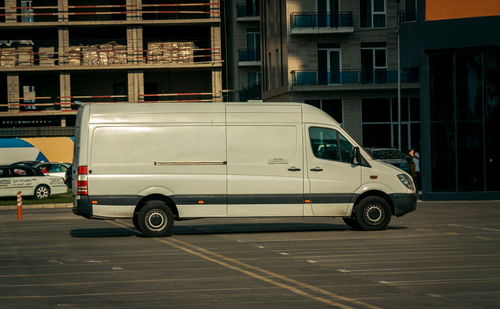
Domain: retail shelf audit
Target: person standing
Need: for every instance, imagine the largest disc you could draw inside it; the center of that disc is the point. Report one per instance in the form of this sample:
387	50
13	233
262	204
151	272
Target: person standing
415	171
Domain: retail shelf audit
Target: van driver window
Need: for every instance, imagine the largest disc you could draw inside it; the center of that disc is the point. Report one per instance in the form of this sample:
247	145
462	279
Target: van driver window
329	144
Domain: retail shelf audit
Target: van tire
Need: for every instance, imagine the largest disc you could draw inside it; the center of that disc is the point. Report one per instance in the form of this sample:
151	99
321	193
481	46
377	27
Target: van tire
155	219
42	192
373	213
135	221
352	223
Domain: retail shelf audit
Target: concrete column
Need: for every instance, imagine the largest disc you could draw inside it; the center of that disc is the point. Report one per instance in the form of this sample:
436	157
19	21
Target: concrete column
65	90
214	9
215	39
10	9
135	44
134	9
13	91
63	45
135	86
63	10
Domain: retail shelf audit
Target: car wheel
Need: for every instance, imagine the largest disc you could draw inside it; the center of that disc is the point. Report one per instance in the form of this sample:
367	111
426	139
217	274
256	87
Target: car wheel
155	219
373	213
352	223
42	192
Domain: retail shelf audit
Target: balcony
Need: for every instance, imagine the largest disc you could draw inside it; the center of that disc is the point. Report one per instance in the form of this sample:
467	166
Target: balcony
321	23
361	77
247	13
95	13
249	57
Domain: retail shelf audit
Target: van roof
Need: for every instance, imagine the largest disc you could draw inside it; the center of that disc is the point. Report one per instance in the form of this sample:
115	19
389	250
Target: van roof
309	112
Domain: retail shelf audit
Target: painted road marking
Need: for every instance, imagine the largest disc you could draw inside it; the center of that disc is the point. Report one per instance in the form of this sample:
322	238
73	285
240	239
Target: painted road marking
251	271
475	227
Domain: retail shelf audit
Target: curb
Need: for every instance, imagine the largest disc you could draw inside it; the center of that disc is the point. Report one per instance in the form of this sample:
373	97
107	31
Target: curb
40	206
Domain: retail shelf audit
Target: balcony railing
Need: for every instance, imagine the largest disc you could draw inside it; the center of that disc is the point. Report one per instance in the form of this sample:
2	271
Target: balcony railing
27	105
367	77
321	20
246	11
249	55
156	11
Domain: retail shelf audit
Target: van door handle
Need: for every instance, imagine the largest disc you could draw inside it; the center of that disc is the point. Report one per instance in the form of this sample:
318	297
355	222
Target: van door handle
294	169
317	169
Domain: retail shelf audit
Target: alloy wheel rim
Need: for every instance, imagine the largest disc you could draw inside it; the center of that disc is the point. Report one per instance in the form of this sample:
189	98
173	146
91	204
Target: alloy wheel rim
156	220
374	214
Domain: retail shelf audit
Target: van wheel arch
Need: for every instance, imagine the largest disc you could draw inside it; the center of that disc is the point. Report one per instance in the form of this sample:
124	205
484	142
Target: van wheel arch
381	194
167	200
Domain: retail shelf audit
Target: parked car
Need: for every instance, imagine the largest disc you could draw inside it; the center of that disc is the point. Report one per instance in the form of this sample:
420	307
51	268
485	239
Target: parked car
27	163
53	168
30	181
69	177
392	156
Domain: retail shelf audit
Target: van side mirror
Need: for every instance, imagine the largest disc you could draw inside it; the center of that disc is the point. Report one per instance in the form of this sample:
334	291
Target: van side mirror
356	158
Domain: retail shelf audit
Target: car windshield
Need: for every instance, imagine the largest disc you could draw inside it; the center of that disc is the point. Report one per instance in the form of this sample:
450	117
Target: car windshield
387	154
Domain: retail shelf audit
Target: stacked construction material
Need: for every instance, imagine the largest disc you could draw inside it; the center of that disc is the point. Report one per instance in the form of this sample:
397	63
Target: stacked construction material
103	54
8	57
74	55
46	56
170	52
24	56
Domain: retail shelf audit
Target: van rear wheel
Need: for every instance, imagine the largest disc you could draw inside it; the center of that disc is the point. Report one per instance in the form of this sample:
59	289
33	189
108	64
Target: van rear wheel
373	213
155	219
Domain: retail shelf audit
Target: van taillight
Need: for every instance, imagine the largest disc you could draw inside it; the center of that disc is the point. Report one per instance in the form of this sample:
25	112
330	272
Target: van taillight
82	182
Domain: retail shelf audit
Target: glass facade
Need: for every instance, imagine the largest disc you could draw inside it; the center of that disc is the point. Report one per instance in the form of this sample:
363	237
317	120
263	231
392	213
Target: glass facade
464	120
380	123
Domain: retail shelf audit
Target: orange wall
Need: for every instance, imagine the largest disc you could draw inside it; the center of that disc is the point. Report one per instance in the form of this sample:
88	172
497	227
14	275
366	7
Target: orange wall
451	9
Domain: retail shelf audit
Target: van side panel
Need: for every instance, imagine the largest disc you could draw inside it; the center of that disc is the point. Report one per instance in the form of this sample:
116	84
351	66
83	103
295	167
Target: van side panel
186	160
265	164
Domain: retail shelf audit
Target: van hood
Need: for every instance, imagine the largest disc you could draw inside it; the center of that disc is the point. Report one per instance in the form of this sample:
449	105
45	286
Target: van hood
385	164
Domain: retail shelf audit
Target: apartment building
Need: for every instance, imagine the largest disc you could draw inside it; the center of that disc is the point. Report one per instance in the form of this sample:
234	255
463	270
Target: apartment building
243	49
55	54
342	56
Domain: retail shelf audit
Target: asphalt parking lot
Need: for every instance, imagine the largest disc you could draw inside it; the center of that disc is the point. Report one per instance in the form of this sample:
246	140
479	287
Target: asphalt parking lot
444	255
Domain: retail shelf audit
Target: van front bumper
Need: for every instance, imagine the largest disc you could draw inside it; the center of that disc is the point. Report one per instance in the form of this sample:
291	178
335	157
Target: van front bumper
404	203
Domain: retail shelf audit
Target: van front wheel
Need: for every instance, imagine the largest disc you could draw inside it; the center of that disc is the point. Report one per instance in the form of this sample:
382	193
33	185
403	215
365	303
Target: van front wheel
373	213
155	219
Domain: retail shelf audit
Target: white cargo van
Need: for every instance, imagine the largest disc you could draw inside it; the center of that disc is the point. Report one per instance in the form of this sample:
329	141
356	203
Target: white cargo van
156	163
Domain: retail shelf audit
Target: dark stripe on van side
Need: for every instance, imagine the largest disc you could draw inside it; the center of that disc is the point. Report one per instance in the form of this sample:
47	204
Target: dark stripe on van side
232	199
327	198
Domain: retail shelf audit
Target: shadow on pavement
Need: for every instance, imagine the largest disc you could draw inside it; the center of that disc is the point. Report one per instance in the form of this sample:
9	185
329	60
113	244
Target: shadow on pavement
255	228
102	232
248	228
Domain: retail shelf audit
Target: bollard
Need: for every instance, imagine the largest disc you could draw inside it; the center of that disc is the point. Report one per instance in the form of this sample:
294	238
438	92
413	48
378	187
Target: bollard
19	206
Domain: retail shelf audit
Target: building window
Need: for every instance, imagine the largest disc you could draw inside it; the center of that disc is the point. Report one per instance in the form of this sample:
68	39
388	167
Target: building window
253	78
332	107
465	121
380	123
373	63
328	13
372	13
329	65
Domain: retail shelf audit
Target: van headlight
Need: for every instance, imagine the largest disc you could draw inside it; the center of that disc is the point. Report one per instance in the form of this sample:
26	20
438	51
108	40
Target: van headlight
407	181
